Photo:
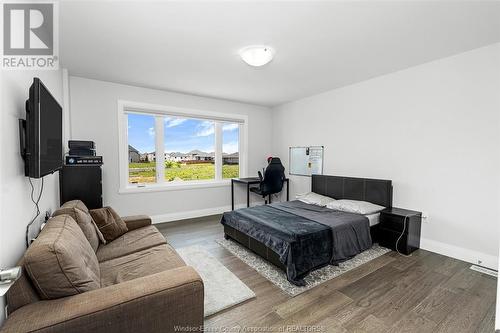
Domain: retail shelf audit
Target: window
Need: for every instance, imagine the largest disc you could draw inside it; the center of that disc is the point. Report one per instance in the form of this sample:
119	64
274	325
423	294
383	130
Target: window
189	149
141	148
230	150
165	147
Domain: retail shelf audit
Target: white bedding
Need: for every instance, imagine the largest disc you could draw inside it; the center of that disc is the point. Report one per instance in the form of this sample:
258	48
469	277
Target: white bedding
373	219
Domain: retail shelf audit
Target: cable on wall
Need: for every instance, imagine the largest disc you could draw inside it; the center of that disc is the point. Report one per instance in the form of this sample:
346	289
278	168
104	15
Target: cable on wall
37	206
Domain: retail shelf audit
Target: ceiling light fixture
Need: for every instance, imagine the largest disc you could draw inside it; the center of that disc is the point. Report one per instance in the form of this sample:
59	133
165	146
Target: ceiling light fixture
257	55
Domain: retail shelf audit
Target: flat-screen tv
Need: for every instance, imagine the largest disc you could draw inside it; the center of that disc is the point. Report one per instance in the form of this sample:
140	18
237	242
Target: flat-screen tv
41	132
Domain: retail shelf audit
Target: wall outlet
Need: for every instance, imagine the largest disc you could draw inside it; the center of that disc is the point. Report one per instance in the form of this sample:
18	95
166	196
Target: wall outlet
425	217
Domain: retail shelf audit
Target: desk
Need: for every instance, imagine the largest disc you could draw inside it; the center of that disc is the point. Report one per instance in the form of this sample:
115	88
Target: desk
252	181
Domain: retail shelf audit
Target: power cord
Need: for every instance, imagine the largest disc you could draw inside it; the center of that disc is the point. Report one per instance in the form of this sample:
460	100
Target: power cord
36	202
401	236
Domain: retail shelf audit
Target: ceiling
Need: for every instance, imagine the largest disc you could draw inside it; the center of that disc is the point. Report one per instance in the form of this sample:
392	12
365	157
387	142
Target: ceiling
192	47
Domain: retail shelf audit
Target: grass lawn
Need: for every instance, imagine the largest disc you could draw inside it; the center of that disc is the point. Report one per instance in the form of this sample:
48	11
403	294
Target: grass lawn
146	172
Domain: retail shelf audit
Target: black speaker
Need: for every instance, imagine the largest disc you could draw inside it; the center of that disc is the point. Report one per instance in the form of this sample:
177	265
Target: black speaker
81	182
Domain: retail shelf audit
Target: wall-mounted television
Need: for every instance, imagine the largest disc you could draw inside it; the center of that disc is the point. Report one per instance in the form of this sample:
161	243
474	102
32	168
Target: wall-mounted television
41	132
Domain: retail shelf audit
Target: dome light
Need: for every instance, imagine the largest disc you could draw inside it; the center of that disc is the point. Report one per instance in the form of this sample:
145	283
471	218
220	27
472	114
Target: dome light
257	55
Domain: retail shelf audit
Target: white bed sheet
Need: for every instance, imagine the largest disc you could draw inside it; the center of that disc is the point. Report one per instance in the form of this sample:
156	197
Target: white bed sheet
374	219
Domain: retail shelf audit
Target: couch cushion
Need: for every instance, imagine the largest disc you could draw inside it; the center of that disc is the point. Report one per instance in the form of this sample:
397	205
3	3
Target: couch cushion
139	264
79	212
60	262
130	242
136	221
109	223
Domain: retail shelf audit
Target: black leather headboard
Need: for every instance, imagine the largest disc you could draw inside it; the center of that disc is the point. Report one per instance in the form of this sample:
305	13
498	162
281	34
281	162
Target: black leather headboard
377	191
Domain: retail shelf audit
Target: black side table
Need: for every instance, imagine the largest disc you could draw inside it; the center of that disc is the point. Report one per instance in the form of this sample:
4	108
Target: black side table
402	224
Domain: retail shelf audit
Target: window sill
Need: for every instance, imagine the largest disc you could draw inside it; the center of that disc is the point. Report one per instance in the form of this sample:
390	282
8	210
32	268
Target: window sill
174	186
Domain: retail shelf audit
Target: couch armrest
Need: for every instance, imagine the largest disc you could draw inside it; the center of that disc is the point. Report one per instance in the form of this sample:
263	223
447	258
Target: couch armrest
136	221
155	303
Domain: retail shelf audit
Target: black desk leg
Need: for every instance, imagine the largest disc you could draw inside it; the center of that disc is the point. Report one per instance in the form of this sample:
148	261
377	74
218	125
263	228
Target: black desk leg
248	195
232	194
288	190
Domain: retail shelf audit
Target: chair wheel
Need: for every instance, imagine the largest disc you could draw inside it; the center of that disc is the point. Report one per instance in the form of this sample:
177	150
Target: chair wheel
226	236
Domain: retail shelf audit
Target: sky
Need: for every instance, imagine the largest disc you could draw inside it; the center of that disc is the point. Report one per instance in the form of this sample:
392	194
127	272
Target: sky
181	134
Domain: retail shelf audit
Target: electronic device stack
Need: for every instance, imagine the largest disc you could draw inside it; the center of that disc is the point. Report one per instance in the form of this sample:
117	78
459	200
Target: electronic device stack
81	176
82	153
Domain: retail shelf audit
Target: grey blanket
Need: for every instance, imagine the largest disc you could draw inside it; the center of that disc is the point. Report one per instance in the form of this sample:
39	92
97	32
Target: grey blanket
304	236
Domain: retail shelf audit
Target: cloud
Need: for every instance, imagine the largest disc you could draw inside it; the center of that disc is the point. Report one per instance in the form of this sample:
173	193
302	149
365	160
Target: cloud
151	131
172	122
230	147
206	128
230	127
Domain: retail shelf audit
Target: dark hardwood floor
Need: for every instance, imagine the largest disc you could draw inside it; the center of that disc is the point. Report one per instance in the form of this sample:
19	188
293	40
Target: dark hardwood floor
425	292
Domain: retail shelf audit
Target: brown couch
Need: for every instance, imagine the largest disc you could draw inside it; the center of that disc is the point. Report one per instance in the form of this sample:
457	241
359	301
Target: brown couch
70	283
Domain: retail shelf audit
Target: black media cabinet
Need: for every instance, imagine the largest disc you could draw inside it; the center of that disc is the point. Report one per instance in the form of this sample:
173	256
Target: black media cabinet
81	182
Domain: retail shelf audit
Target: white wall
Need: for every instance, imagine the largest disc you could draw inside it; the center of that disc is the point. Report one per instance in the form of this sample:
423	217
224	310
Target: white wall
433	129
17	208
94	117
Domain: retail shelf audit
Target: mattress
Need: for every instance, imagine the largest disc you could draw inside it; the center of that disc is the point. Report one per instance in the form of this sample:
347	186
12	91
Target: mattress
374	219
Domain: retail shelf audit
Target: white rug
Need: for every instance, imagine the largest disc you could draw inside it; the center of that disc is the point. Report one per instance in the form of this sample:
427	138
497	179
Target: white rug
278	277
222	288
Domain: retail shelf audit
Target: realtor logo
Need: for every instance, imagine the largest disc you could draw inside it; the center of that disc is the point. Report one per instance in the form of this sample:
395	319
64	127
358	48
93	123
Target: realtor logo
29	36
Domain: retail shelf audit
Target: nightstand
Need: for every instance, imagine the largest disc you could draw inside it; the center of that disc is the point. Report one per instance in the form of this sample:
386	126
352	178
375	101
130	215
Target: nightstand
392	224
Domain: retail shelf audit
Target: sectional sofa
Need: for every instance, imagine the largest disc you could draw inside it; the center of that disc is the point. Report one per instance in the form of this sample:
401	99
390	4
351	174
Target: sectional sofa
73	282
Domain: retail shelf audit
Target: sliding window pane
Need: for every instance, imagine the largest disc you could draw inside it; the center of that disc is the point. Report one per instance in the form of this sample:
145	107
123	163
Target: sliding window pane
230	150
189	149
141	149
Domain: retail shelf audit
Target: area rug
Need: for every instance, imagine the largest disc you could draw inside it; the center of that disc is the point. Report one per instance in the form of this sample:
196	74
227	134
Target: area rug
278	277
222	288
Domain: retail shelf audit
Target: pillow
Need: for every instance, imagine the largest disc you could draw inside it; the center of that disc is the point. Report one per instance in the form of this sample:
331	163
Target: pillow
109	223
355	206
61	262
79	212
314	199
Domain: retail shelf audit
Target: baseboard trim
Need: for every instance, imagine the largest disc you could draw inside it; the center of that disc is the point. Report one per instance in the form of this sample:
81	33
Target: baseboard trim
171	217
471	256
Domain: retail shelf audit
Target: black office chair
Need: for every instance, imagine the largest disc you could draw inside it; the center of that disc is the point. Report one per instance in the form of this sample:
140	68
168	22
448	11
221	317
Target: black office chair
273	180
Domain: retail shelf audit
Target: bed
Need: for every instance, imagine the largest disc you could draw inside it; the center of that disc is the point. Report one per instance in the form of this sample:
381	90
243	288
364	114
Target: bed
299	238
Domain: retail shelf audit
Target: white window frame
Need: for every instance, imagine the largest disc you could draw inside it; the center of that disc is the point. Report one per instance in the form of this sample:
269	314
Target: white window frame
125	107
